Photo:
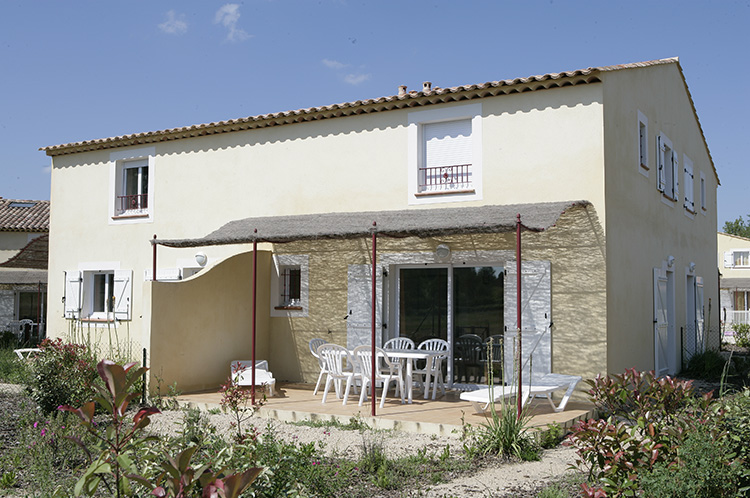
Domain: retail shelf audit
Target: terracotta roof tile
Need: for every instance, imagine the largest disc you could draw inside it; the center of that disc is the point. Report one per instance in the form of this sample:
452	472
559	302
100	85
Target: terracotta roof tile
35	255
24	215
434	95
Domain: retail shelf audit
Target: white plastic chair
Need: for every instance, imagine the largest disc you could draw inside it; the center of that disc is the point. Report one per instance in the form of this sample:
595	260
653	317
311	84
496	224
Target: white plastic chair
399	343
314	345
433	371
335	358
385	371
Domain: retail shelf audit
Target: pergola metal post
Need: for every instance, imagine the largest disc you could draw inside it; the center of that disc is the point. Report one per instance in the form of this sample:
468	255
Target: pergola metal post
518	311
255	286
372	327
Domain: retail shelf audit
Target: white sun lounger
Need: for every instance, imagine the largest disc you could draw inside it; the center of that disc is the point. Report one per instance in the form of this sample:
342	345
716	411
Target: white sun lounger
543	386
242	374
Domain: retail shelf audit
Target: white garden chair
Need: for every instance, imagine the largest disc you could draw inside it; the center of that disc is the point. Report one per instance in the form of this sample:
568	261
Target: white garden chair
314	345
336	357
385	371
434	370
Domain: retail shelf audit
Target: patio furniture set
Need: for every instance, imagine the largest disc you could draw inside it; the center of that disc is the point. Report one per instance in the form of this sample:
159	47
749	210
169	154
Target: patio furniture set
395	362
404	364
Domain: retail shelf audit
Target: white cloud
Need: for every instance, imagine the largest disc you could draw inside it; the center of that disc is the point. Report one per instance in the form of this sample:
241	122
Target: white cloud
356	79
333	64
47	169
227	16
174	25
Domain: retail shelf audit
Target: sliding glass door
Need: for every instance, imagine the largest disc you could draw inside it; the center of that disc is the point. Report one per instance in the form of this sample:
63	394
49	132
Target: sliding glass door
462	305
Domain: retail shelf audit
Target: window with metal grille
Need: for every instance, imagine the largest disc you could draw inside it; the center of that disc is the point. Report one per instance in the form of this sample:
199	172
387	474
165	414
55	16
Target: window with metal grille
291	286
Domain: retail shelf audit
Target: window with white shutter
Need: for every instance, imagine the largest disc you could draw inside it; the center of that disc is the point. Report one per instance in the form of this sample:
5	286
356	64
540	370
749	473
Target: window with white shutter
668	168
98	295
643	165
689	203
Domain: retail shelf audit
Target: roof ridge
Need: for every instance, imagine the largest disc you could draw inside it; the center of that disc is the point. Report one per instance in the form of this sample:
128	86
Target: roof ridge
389	102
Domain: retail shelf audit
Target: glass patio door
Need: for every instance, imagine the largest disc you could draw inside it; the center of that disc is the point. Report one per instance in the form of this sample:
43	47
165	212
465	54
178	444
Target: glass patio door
462	305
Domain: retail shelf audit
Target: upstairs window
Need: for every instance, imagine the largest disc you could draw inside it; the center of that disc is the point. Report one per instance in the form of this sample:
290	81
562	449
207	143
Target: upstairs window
447	152
704	206
643	166
668	168
131	185
689	203
133	198
737	258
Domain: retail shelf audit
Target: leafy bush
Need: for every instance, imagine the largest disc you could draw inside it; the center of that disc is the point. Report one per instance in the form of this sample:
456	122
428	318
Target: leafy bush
708	365
648	420
741	334
551	436
705	468
62	374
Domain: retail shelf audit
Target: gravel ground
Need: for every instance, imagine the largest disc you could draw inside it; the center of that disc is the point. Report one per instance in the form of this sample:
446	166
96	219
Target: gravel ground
491	479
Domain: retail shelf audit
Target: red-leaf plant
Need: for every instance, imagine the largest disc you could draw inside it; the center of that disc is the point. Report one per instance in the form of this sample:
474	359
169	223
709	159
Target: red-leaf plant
118	447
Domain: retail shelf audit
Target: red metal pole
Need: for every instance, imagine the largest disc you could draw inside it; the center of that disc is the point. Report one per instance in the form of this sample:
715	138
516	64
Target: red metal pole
255	286
153	275
518	311
372	331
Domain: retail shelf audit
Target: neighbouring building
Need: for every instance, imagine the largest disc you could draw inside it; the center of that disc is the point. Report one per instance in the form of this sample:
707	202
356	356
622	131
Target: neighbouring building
608	168
734	266
23	267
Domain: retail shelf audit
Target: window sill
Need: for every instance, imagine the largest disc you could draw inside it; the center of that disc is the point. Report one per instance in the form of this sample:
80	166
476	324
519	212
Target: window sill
445	192
288	308
126	216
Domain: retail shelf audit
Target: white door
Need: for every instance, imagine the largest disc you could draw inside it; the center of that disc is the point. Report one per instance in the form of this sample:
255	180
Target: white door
699	317
661	323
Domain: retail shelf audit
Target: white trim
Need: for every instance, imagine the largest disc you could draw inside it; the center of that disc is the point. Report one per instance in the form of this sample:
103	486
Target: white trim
642	145
117	162
414	152
279	261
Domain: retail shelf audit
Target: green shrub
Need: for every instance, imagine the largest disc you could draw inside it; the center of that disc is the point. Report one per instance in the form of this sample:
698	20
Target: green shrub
62	374
12	370
741	334
708	365
551	436
705	468
648	420
506	434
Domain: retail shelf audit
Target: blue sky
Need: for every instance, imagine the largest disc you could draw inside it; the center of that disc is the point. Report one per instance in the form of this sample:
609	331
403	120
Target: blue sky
80	70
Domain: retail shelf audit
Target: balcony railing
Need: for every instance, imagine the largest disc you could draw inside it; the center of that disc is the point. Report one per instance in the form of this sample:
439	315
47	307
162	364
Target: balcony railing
137	203
739	316
445	178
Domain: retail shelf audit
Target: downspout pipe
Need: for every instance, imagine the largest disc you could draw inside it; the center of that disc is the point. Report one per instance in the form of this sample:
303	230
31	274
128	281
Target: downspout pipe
518	313
373	354
255	300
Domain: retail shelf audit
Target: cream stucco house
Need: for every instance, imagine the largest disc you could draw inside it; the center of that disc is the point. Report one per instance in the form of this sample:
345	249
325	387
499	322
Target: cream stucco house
734	265
23	267
607	167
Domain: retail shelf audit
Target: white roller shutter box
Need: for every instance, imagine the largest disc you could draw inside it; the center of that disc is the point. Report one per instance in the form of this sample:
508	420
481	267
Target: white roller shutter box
447	143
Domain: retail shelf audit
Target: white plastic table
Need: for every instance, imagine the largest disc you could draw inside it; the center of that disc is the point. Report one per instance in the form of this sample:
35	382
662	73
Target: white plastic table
415	354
